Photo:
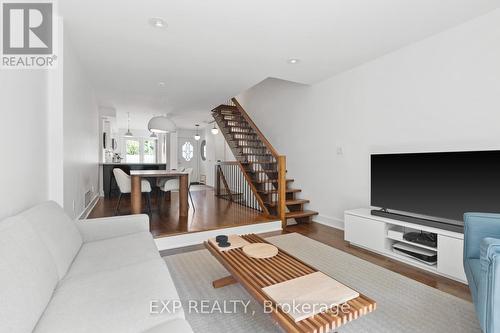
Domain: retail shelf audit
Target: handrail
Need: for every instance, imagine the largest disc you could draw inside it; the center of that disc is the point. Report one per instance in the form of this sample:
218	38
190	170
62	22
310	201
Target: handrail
256	129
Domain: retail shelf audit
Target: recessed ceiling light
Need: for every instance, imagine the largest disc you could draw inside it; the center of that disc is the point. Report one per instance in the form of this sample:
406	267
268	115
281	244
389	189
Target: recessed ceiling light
293	61
158	22
161	84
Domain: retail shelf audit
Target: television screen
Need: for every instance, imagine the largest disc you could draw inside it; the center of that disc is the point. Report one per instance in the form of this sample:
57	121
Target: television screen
443	185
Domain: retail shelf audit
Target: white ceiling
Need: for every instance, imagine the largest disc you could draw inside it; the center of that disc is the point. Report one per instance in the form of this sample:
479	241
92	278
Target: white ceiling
215	49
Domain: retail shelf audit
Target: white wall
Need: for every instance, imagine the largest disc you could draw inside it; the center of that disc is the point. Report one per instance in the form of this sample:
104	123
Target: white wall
81	134
442	93
217	150
23	170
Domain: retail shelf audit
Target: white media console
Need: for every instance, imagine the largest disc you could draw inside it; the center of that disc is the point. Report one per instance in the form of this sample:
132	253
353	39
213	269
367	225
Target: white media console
378	234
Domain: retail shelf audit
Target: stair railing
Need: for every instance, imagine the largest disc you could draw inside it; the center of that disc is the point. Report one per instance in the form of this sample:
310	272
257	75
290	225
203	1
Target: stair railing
281	185
232	184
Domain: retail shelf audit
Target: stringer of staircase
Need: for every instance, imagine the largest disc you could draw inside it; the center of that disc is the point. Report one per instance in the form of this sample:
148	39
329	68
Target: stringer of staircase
263	167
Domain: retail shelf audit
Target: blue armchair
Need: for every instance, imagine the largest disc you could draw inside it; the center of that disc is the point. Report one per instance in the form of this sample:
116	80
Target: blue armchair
482	267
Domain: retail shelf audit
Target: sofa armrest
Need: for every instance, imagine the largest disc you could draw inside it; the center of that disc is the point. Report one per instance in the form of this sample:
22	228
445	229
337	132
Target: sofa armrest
490	248
110	227
489	288
478	226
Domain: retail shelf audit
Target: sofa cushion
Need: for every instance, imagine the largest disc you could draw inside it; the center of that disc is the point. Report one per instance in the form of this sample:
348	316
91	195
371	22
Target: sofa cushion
58	232
28	276
113	253
111	301
174	326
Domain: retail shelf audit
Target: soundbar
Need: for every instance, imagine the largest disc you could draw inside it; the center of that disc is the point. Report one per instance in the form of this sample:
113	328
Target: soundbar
418	220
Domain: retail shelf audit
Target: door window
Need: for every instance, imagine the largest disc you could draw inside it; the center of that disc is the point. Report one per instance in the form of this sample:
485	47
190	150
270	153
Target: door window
187	151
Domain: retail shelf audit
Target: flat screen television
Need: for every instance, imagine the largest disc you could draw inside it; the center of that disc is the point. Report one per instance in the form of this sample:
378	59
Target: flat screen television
438	186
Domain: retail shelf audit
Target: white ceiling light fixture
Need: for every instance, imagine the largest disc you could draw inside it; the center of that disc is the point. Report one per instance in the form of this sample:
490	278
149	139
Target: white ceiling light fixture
197	135
214	130
161	124
293	61
128	134
158	22
161	84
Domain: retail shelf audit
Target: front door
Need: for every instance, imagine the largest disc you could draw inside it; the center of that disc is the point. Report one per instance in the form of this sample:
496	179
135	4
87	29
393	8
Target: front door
188	156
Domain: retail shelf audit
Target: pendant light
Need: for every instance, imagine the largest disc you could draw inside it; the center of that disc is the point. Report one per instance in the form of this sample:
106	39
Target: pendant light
153	136
214	130
161	124
197	135
128	134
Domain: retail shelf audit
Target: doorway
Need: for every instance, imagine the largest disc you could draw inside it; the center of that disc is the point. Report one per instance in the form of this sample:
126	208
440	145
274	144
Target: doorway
188	156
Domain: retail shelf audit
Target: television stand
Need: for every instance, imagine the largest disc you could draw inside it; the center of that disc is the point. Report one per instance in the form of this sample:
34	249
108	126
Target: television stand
379	234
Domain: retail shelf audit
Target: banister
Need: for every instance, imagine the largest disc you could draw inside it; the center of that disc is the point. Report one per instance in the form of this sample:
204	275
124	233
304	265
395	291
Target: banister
255	128
282	190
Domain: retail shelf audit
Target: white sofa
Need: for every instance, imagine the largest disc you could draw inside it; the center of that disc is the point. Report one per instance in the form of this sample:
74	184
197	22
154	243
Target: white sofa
100	275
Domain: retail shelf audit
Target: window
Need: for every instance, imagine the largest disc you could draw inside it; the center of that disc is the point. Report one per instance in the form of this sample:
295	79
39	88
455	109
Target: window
139	150
133	153
187	151
203	150
149	151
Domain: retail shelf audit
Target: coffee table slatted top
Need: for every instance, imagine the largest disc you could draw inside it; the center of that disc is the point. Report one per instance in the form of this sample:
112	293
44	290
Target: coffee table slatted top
255	274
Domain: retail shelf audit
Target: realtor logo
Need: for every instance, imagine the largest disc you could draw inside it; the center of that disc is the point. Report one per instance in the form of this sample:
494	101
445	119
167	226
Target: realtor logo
27	34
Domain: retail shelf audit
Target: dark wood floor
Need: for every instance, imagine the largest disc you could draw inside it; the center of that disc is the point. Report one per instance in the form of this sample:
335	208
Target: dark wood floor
210	213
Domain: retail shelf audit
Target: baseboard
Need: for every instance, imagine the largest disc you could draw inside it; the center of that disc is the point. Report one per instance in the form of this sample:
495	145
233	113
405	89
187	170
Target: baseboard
329	221
89	208
194	238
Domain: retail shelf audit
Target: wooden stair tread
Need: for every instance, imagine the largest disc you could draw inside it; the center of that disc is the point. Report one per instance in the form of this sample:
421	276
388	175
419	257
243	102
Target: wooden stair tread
264	171
273	181
225	107
257	162
300	213
296	202
290	202
256	154
248	140
288	190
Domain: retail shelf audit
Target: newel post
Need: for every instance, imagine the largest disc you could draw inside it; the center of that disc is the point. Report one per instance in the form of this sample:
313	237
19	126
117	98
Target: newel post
282	190
217	179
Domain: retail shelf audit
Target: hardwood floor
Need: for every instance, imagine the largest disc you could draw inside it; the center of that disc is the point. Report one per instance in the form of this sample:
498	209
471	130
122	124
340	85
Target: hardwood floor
210	213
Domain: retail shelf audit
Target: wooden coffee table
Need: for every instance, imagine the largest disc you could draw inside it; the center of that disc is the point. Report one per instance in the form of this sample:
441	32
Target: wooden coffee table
256	274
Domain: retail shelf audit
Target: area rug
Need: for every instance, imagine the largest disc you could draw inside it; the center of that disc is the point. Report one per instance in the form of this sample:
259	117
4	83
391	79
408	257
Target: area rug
403	305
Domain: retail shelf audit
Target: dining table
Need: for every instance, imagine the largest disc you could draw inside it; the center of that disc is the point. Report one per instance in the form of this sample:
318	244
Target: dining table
136	191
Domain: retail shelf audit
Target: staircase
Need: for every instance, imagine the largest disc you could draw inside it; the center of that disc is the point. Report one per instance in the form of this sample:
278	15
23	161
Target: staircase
262	166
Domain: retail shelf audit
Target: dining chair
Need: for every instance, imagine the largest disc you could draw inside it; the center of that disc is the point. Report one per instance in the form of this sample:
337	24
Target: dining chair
125	186
173	185
160	181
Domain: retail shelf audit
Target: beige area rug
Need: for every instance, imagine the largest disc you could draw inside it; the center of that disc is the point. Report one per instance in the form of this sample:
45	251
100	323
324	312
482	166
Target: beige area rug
403	305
